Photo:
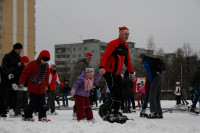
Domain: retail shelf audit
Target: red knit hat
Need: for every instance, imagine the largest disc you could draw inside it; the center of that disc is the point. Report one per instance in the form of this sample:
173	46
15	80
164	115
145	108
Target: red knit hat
25	59
45	55
123	30
88	55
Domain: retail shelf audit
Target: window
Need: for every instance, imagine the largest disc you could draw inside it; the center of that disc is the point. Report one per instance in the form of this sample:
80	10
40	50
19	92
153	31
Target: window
85	48
0	55
0	27
79	49
74	55
1	18
1	9
1	0
79	55
67	56
74	49
58	50
0	37
60	62
0	46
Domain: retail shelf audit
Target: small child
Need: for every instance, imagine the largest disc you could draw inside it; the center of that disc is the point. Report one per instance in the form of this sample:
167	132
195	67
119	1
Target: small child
37	72
81	91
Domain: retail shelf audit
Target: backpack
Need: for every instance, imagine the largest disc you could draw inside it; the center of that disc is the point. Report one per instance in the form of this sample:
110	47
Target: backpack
158	64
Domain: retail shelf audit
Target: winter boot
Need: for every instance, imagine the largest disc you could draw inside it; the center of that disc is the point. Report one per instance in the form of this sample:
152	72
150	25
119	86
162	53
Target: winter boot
11	113
29	119
160	115
48	113
129	109
143	113
193	111
54	113
152	116
44	119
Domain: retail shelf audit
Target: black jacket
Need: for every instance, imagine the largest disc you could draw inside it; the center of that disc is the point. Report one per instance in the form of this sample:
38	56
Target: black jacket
66	89
195	79
127	86
10	63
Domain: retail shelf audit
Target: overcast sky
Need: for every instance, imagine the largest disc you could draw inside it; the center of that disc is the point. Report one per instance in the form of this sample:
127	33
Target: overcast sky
170	22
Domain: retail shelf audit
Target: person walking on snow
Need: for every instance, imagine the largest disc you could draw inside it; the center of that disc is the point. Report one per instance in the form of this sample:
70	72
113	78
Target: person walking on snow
37	72
195	85
81	92
177	93
111	65
53	78
22	95
65	92
78	68
153	68
10	63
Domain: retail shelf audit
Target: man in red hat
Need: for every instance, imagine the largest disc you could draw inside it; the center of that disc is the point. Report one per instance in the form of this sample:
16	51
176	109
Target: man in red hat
111	65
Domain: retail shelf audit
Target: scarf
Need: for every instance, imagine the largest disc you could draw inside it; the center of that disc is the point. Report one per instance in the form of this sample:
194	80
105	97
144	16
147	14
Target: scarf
36	77
88	84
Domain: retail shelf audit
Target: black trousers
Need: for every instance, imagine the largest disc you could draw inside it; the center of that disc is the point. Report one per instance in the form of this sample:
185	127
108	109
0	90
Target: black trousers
178	100
133	100
2	102
51	100
22	101
114	83
36	101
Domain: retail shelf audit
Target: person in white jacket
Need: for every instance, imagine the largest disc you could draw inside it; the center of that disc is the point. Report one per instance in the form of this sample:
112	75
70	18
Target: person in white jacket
177	93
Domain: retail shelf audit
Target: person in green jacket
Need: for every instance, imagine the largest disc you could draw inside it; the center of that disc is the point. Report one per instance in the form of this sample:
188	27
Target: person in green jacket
78	68
195	84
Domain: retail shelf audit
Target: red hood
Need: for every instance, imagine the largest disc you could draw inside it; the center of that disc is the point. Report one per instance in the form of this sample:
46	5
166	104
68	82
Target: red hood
44	53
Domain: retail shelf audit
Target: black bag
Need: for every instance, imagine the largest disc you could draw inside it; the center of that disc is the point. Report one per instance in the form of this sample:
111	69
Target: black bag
158	64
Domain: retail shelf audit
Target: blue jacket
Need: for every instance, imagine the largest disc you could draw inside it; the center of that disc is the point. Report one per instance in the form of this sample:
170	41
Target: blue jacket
148	70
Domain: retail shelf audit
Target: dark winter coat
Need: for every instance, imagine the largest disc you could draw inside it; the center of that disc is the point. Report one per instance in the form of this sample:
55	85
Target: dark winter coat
127	86
30	71
78	68
10	63
195	79
66	89
115	56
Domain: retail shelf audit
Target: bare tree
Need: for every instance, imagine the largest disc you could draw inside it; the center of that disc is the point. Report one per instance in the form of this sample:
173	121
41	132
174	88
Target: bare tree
150	43
187	50
160	52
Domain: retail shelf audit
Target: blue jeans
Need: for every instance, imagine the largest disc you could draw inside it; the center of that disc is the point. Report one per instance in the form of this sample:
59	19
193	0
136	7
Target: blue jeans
127	100
146	100
65	99
197	95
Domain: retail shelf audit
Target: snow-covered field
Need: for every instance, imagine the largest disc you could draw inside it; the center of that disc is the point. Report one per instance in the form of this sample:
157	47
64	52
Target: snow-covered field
175	122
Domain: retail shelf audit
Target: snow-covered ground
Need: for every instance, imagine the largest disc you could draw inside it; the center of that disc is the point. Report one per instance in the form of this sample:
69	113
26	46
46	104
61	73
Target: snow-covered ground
175	122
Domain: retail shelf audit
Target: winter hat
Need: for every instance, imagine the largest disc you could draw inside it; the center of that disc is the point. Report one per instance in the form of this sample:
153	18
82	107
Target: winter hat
177	83
17	46
88	55
44	55
123	30
25	59
89	70
142	55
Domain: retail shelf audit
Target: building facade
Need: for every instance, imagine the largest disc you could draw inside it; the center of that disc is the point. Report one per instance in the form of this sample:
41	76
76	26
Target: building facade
17	25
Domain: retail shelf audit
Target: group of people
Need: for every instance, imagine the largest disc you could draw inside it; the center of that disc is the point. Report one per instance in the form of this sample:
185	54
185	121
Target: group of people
19	75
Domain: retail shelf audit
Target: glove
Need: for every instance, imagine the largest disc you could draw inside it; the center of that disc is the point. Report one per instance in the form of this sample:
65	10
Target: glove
73	92
21	87
47	88
25	89
14	86
10	76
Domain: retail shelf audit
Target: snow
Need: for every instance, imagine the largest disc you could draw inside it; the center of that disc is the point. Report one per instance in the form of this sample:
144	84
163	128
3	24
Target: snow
175	122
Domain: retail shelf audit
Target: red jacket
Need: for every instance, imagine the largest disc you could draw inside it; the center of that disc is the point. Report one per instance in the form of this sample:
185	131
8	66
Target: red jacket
134	85
53	78
116	54
30	71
